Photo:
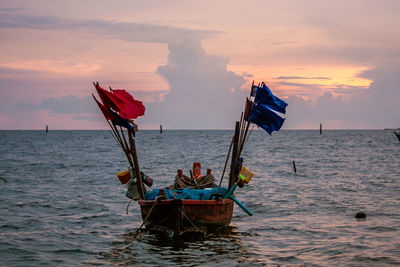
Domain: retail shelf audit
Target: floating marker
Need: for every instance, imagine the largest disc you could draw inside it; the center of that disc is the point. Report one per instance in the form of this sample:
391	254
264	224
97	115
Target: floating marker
47	129
361	215
160	129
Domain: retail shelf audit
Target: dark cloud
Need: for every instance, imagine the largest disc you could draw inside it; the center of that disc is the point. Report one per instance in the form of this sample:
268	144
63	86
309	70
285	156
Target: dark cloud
348	90
19	85
11	9
203	93
70	104
132	32
25	89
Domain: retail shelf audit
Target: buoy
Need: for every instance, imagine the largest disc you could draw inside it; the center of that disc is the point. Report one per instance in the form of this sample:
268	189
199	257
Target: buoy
361	215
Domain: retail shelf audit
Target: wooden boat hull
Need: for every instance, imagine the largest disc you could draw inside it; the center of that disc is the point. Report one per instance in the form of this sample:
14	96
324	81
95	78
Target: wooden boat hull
179	215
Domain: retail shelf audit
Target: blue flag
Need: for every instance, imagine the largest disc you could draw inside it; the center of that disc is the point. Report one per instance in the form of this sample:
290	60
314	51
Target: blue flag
266	118
118	120
264	96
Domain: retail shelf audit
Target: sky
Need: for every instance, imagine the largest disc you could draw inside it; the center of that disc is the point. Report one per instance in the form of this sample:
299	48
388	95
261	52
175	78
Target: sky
192	62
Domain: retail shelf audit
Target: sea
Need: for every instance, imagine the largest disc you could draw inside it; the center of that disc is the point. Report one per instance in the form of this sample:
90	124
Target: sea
61	203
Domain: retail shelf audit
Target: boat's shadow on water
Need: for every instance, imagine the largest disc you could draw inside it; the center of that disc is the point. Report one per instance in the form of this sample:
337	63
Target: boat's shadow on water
151	247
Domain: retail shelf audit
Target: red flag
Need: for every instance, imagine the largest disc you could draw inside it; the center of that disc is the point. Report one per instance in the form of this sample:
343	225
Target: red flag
107	114
128	107
115	118
108	99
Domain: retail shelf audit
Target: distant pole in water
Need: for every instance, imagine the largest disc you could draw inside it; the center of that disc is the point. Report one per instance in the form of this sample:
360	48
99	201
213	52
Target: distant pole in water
320	128
294	167
160	129
47	129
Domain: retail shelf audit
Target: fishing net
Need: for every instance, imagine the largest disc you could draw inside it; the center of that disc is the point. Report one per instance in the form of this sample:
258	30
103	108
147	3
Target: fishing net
186	193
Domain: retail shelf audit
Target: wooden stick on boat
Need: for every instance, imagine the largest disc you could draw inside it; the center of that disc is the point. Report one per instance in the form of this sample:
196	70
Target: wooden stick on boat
223	172
232	177
133	153
247	109
126	149
118	138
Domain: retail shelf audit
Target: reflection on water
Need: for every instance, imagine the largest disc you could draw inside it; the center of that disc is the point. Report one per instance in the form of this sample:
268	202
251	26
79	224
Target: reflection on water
223	246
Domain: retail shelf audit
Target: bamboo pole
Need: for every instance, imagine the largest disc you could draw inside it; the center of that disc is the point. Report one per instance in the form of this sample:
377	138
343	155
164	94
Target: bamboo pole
232	176
133	153
247	109
126	145
223	172
118	136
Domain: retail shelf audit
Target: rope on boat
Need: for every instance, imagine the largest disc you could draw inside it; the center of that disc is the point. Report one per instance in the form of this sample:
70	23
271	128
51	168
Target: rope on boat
128	206
145	220
223	172
202	182
197	228
245	141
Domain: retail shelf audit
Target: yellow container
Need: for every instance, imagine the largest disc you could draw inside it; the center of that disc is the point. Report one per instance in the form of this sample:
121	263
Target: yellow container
245	175
124	176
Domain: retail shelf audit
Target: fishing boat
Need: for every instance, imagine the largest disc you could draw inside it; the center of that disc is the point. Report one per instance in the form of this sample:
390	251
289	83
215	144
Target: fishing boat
192	203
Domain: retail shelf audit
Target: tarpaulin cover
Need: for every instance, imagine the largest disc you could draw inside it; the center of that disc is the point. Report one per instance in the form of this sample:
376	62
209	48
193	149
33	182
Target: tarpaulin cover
186	193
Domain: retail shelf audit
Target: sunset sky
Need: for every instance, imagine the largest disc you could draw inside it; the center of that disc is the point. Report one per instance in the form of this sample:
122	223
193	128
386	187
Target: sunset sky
192	62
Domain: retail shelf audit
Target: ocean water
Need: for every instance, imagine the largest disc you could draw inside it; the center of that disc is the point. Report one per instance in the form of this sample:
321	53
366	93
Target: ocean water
62	205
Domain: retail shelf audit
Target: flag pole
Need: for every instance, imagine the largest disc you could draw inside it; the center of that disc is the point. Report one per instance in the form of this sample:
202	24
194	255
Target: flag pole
125	149
247	110
232	178
126	145
223	172
133	153
115	132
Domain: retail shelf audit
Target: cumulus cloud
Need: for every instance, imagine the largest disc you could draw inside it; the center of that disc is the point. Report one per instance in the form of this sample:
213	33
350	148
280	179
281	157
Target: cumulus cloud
203	94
